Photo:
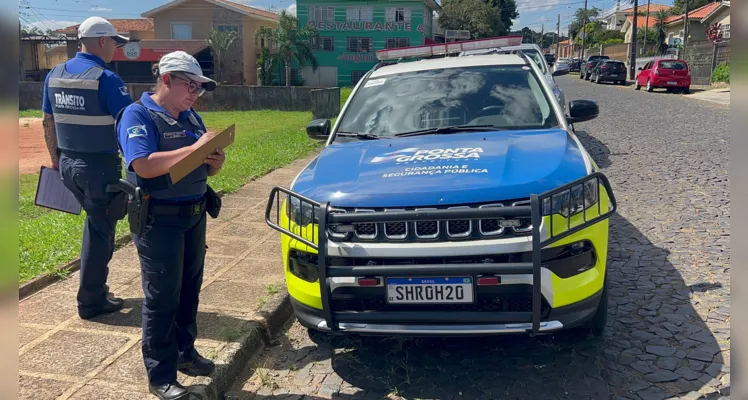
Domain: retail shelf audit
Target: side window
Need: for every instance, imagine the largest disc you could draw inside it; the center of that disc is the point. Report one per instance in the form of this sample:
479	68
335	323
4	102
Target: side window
648	66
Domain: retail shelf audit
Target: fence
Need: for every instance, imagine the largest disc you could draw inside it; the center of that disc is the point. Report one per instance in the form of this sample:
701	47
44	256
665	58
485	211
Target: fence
227	98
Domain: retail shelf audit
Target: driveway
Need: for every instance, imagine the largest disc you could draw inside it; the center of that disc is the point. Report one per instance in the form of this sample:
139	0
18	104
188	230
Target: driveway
669	263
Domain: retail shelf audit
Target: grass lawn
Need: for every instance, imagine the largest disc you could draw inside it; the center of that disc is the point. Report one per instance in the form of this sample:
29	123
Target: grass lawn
264	141
344	93
29	113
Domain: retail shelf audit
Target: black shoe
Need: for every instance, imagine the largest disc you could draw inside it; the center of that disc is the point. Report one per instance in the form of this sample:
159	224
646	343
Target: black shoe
169	391
200	367
111	304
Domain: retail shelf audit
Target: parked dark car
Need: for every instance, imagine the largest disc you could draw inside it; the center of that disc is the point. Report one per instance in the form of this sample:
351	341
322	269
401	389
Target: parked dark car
550	58
575	65
609	71
586	67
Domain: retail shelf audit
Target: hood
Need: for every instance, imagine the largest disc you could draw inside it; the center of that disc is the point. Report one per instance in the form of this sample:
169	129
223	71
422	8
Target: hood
434	170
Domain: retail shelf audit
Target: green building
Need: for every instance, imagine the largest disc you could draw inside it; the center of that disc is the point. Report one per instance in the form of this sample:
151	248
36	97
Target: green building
350	32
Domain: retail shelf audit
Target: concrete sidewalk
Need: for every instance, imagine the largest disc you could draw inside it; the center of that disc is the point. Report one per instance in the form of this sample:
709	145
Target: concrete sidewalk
720	96
64	357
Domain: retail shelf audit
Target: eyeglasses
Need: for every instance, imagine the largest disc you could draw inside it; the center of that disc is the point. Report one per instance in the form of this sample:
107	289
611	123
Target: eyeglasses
192	86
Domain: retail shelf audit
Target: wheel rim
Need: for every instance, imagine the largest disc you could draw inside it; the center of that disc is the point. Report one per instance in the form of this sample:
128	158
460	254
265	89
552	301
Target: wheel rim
649	85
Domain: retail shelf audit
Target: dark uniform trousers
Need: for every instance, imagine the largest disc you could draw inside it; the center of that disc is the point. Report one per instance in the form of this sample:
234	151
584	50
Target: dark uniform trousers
87	176
172	256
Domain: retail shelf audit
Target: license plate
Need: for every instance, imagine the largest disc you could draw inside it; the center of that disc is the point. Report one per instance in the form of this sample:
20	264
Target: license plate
672	83
446	290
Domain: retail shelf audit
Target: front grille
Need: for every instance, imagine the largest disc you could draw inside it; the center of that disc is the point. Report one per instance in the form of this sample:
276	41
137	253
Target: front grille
434	230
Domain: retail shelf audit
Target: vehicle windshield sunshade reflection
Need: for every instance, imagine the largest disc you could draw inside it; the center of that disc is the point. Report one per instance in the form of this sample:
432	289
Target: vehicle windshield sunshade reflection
502	97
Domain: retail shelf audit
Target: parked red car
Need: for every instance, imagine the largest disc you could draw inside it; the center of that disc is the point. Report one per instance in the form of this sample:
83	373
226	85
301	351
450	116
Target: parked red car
674	75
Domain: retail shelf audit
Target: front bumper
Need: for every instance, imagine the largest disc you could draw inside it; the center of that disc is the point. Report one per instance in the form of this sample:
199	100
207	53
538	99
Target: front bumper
522	300
457	324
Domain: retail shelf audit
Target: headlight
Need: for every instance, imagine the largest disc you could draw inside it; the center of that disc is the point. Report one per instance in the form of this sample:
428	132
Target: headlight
572	201
301	212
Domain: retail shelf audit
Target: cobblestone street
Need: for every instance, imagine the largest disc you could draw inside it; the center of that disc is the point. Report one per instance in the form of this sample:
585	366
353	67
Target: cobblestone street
668	333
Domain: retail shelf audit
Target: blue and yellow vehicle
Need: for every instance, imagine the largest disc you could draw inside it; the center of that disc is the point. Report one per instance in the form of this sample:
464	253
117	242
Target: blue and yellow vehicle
452	197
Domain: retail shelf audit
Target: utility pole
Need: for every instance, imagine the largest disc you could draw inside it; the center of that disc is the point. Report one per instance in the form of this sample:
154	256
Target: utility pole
646	29
584	31
558	34
542	32
685	31
634	34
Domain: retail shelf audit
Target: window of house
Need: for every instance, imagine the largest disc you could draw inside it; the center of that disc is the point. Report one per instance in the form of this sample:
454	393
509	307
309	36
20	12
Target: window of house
321	13
359	14
181	30
227	28
397	14
394	43
356	76
359	44
323	43
726	31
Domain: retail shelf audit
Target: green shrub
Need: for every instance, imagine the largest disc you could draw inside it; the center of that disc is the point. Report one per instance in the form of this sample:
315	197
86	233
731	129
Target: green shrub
721	73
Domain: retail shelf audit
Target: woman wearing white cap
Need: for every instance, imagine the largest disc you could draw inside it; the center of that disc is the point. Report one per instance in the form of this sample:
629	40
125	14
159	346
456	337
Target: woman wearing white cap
155	133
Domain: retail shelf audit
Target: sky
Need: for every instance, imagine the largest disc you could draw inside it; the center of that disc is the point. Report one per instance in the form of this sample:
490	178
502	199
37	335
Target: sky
55	14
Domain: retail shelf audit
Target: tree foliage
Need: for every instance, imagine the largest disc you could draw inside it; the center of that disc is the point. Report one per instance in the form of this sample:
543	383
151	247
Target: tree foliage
679	6
580	16
480	18
661	29
289	43
508	11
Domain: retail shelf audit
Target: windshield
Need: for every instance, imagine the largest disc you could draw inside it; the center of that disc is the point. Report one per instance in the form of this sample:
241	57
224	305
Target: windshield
676	65
505	97
537	57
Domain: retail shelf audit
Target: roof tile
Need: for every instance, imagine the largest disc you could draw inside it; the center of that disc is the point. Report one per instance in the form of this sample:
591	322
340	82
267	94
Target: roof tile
122	25
653	8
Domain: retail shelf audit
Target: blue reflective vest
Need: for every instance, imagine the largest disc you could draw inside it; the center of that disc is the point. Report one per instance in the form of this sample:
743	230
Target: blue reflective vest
82	125
171	136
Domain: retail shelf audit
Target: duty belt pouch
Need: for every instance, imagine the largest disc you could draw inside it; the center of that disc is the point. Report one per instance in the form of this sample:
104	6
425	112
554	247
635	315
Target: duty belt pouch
213	203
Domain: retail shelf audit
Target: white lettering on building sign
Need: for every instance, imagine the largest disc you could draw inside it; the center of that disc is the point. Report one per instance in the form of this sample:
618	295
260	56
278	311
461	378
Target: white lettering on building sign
415	154
363	26
436	170
70	101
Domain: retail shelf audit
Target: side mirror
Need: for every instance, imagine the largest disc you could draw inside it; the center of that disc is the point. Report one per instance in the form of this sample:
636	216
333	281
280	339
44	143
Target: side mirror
560	71
582	110
640	68
319	129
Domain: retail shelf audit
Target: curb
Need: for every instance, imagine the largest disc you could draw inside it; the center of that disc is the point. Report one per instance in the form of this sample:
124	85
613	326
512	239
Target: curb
41	282
235	357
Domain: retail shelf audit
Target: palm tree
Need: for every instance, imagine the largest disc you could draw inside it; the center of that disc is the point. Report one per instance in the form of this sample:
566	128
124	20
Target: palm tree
220	43
661	31
287	42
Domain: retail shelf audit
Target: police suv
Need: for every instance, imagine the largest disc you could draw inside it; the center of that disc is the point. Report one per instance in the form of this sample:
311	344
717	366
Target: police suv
452	198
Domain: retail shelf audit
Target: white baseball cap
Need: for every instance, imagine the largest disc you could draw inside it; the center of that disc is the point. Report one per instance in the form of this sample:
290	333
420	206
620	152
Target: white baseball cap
99	27
179	61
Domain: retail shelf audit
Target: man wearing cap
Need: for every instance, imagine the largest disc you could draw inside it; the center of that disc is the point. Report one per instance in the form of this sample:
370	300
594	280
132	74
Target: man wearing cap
155	133
81	99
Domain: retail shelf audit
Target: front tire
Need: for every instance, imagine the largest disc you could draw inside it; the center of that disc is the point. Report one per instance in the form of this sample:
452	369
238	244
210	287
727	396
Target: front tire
581	75
637	86
597	324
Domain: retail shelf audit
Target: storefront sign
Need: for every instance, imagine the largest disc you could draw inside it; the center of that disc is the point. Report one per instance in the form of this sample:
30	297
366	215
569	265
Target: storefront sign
362	26
357	57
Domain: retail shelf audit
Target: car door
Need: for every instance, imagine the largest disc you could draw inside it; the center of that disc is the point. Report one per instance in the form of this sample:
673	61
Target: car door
641	79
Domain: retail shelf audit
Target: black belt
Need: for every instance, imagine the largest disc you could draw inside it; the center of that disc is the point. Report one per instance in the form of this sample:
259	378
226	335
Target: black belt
185	210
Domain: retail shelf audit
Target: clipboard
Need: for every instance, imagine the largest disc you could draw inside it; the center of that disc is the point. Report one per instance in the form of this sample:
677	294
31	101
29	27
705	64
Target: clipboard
52	193
195	159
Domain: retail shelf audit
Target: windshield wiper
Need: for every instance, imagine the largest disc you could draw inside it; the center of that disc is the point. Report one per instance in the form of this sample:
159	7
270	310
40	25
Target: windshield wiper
359	135
446	130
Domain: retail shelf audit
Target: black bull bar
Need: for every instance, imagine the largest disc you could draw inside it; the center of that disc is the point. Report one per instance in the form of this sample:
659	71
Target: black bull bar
323	215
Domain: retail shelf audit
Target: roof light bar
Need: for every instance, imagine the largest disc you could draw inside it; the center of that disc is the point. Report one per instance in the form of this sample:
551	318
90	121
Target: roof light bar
447	48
